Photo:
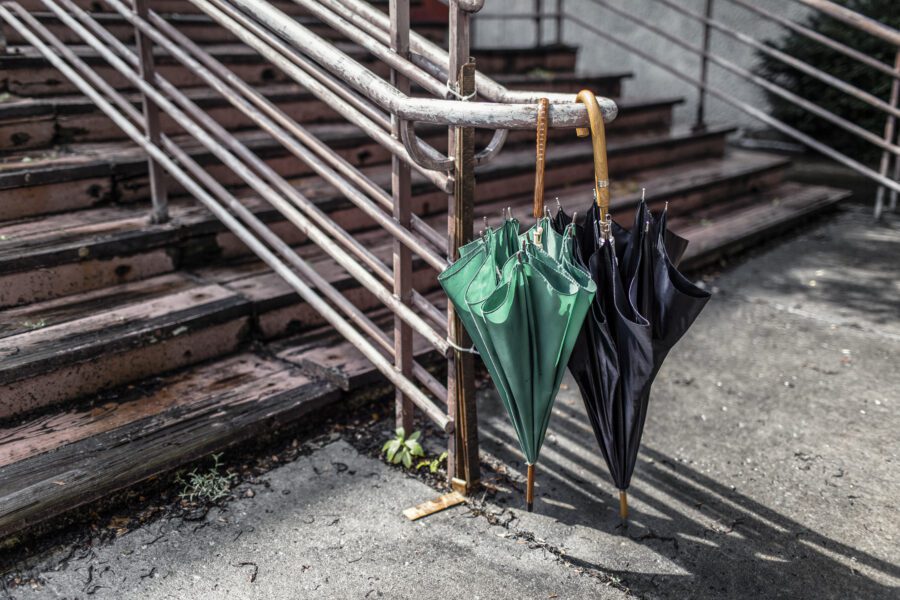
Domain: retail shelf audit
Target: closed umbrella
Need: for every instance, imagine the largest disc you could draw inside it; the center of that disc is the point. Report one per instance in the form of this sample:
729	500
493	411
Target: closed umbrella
523	308
643	306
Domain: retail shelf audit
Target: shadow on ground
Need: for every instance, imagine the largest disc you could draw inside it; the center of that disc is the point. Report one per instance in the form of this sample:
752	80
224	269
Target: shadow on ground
735	547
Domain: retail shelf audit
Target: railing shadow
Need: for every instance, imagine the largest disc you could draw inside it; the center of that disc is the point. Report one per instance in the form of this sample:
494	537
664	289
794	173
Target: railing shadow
726	544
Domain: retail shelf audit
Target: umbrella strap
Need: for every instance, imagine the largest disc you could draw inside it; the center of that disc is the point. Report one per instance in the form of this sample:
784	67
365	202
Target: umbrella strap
459	348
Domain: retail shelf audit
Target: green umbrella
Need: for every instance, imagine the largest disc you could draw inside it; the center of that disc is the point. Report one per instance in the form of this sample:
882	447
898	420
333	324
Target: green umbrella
523	304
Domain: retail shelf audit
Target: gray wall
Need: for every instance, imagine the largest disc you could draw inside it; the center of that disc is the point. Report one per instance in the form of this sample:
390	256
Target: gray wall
599	55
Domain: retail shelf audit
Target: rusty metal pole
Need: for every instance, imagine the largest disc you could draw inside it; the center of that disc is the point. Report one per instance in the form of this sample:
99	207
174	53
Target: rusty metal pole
700	121
462	467
402	196
890	124
158	194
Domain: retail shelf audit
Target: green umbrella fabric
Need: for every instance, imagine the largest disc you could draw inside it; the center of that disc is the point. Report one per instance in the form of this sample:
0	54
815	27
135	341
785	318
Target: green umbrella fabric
523	306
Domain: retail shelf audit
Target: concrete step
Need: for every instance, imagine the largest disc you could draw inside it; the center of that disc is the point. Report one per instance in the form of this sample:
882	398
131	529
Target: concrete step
25	72
754	219
78	176
42	122
46	257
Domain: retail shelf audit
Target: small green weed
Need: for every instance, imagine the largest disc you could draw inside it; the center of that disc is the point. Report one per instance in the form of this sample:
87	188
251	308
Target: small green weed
402	449
208	486
434	464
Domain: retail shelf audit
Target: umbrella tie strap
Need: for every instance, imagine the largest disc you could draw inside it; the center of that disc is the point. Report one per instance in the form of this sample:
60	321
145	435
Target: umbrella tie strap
452	89
459	348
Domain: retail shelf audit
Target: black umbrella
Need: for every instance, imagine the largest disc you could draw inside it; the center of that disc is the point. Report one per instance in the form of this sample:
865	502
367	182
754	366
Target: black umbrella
643	306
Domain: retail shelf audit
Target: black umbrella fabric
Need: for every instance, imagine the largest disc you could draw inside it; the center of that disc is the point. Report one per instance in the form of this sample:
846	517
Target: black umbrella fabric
643	306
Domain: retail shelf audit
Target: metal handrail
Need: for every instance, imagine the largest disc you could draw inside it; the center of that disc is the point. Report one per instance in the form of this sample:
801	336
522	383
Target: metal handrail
89	83
818	37
854	19
789	60
320	83
491	115
886	142
743	73
431	57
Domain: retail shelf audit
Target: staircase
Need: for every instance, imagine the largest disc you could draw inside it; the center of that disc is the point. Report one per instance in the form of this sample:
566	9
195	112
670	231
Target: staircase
130	348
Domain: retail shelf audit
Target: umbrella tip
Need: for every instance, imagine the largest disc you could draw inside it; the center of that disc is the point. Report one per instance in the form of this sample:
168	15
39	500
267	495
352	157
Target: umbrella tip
623	505
529	490
643	194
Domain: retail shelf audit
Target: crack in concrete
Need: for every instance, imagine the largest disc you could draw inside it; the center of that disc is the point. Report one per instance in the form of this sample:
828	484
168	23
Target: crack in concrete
480	509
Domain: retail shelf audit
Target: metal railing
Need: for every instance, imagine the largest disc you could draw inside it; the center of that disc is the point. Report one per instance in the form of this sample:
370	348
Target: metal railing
886	176
385	110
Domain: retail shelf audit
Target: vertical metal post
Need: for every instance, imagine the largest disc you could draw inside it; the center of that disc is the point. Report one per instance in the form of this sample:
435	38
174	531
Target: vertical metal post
559	22
402	192
158	193
538	33
700	122
889	126
893	204
462	466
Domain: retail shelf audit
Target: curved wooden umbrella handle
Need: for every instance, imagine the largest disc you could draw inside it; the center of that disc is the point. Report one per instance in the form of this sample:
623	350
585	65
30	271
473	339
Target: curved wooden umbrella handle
540	157
598	141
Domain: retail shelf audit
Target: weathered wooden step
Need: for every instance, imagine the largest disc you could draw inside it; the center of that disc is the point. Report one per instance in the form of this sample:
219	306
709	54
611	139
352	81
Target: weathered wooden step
757	221
38	123
184	7
559	58
572	162
84	175
688	188
602	84
152	332
57	462
200	28
62	349
81	176
26	73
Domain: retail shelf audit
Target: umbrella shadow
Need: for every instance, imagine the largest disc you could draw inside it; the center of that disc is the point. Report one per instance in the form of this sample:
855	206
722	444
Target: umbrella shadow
718	543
